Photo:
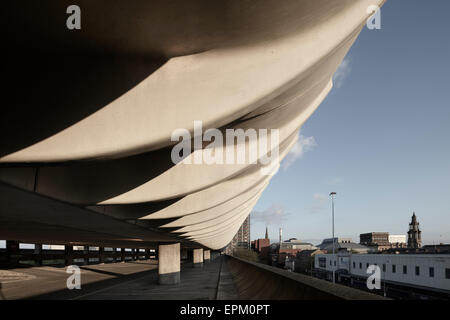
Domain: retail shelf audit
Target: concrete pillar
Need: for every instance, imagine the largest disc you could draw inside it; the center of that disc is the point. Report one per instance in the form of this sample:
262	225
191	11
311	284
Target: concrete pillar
184	254
207	256
101	255
169	263
38	253
147	254
138	254
122	254
198	258
68	255
86	254
12	252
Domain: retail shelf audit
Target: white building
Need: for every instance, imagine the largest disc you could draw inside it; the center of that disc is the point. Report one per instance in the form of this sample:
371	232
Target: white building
397	238
427	271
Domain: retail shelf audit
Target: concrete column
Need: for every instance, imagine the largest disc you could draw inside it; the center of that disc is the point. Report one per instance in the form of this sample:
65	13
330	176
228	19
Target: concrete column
184	254
198	258
169	263
68	255
101	255
147	254
207	256
122	254
86	254
38	253
12	252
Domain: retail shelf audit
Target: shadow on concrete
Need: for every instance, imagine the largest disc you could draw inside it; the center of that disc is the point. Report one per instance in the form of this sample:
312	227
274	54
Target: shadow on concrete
46	93
89	288
101	271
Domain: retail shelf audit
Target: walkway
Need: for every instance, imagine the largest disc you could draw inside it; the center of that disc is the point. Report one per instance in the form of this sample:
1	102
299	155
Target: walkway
136	280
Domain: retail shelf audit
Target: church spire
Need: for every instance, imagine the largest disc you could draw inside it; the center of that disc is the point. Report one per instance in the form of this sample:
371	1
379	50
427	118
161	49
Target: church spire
267	233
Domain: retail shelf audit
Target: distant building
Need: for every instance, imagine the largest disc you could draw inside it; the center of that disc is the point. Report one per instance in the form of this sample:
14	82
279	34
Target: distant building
261	246
378	241
404	274
397	239
337	240
288	250
374	238
304	260
414	233
343	244
294	244
437	248
241	239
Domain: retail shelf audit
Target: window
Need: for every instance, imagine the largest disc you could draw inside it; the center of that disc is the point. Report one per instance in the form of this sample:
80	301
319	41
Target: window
322	262
417	271
330	262
431	271
384	267
405	269
394	268
354	265
447	273
367	265
360	265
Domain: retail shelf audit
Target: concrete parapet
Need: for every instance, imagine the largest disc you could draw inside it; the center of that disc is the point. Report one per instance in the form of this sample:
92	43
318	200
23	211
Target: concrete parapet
263	282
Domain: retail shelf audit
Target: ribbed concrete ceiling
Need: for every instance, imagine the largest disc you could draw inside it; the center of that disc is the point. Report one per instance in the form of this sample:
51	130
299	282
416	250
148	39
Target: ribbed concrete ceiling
97	134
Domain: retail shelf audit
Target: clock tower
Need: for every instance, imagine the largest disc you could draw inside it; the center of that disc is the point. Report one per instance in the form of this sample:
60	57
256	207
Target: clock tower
414	233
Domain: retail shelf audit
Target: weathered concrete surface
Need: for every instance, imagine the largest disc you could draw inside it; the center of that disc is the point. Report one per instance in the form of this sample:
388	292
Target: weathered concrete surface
226	290
263	282
169	263
50	282
207	256
195	284
137	280
198	258
237	65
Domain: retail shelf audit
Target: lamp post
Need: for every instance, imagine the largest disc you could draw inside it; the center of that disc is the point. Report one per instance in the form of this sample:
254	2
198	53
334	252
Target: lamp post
332	194
385	271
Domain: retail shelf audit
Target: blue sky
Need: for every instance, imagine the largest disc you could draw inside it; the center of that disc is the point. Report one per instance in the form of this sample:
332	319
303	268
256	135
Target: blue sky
381	139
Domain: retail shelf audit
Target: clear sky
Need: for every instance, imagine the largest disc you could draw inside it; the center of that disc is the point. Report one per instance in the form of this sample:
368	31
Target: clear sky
381	139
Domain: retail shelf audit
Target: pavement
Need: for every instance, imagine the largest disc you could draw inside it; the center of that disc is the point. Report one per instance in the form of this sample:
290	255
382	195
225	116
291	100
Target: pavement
133	280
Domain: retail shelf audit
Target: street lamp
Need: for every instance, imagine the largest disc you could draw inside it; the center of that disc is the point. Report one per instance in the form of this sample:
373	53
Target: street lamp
385	271
332	194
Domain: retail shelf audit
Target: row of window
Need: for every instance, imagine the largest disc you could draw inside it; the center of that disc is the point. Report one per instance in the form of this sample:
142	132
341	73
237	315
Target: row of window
405	269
